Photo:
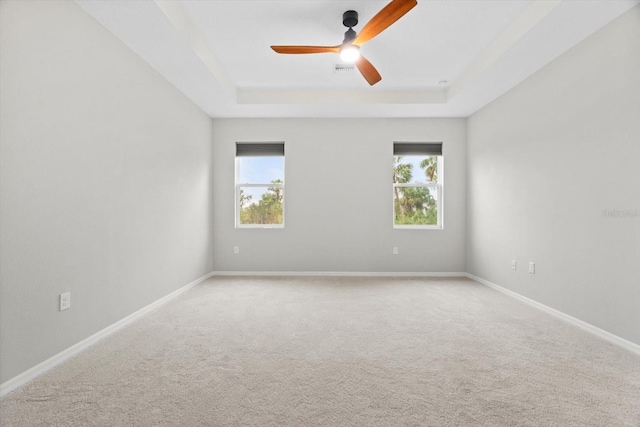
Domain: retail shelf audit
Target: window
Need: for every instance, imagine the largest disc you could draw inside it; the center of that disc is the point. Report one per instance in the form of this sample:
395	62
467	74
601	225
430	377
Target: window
259	184
417	185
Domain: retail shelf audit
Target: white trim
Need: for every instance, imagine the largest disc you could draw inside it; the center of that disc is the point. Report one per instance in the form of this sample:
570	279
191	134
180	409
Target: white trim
281	226
238	188
258	185
608	336
439	187
418	184
341	273
417	227
30	374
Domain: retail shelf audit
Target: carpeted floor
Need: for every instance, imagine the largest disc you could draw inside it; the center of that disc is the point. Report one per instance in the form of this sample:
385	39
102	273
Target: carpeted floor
339	352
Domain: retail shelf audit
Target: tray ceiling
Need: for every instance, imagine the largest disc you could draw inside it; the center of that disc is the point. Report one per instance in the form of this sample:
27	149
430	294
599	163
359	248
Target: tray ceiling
217	52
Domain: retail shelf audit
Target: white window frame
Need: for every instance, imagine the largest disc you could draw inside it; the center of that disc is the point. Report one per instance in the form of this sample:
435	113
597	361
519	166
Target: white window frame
438	186
240	185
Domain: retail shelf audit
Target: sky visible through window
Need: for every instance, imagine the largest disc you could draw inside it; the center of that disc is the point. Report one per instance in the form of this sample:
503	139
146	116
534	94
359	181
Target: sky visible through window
259	170
263	170
418	174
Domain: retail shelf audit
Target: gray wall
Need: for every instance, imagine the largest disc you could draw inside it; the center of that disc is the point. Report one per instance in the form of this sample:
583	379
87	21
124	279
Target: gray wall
545	160
105	182
106	171
338	198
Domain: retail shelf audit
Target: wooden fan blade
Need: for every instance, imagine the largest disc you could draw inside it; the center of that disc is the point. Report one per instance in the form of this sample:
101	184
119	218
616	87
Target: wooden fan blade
368	71
306	49
387	16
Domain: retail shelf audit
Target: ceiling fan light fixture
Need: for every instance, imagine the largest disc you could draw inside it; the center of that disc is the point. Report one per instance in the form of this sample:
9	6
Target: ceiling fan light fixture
350	53
349	50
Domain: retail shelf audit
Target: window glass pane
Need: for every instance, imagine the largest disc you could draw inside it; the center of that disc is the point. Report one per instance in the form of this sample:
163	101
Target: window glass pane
261	205
415	169
260	170
415	206
416	190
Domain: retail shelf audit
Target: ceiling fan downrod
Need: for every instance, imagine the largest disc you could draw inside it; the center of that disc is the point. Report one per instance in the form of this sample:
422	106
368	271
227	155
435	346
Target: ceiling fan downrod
349	20
349	50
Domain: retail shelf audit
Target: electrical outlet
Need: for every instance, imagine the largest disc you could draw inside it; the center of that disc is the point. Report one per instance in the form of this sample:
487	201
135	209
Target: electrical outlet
65	301
395	250
236	249
514	265
532	267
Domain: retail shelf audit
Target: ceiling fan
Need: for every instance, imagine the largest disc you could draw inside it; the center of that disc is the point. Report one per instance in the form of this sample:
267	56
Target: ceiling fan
349	50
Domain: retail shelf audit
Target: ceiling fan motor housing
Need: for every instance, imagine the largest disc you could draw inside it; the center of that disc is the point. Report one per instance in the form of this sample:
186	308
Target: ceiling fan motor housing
349	51
350	18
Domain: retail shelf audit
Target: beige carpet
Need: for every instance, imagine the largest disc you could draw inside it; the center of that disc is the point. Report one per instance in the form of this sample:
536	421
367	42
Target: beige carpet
339	352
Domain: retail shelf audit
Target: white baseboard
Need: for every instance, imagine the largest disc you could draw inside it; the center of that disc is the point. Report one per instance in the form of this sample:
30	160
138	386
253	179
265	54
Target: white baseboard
340	273
30	374
27	376
608	336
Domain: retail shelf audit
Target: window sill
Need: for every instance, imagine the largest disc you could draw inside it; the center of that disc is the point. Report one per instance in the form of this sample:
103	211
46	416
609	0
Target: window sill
418	227
259	226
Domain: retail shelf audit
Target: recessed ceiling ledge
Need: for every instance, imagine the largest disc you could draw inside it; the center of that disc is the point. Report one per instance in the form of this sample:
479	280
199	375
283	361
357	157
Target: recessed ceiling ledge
253	96
184	26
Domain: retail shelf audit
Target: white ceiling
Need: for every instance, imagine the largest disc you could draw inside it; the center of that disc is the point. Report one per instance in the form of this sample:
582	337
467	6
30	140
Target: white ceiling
217	51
